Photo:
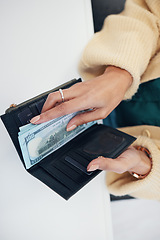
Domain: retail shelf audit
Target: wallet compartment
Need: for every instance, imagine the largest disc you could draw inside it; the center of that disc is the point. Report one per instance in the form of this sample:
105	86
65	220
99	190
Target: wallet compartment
65	170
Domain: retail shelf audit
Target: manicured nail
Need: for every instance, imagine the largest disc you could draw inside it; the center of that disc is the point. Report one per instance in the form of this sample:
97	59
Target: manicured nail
71	128
93	168
35	119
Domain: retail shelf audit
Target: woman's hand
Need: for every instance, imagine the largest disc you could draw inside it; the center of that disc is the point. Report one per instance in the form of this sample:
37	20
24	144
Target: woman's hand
131	160
101	94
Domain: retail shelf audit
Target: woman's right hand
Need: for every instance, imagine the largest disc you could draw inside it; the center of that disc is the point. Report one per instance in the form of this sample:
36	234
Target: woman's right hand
101	94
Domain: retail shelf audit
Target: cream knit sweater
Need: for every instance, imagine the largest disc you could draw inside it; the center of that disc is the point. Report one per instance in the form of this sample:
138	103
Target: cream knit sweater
130	40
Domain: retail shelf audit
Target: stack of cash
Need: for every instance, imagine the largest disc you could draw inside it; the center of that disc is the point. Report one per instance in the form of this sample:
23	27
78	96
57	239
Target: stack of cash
38	141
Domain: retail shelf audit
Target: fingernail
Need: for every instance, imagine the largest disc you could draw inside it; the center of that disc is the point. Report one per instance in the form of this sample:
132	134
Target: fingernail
35	119
93	168
71	128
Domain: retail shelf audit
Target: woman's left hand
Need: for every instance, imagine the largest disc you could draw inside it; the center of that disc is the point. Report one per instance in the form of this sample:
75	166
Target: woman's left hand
130	160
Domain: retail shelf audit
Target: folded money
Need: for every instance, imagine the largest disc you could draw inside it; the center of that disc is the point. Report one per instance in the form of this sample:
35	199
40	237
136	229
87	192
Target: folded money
38	141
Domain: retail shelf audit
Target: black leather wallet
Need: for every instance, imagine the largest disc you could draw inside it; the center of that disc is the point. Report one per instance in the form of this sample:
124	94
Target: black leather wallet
64	170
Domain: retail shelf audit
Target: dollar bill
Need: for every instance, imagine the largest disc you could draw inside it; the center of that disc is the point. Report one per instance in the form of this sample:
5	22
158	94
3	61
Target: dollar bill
38	141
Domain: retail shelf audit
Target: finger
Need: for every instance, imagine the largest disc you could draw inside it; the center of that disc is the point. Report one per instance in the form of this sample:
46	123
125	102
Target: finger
107	164
85	117
51	101
65	108
56	97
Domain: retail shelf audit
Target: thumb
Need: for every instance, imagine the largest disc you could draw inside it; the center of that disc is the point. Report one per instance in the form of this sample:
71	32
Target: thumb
107	164
83	118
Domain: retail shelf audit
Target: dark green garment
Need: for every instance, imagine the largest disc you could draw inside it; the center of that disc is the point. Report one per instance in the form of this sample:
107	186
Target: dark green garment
143	108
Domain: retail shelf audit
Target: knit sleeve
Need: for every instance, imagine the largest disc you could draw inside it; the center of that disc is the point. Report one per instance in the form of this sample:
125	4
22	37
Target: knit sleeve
147	188
127	40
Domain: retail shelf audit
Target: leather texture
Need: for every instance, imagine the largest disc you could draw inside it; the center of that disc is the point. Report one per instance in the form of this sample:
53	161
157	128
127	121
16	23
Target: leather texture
64	170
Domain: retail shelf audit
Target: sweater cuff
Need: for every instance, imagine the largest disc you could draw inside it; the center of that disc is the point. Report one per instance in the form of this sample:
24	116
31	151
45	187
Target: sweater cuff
147	188
129	45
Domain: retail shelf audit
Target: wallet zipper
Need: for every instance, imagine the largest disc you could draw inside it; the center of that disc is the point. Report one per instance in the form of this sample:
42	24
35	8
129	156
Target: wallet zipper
14	106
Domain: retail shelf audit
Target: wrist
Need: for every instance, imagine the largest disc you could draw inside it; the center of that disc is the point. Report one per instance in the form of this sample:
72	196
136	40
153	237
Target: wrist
123	75
143	168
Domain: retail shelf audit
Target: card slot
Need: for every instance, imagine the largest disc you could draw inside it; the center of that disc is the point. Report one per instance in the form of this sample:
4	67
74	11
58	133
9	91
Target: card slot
103	142
25	115
72	183
82	154
78	165
77	176
51	181
61	177
39	105
34	109
75	169
79	158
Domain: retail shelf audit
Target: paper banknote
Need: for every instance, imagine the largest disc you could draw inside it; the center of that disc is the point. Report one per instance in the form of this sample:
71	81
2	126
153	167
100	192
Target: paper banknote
38	141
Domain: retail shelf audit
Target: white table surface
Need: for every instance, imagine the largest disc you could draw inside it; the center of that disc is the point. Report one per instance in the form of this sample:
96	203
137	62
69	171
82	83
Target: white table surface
40	45
136	219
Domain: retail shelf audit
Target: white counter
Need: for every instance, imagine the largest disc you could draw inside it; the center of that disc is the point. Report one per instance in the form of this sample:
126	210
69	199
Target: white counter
40	45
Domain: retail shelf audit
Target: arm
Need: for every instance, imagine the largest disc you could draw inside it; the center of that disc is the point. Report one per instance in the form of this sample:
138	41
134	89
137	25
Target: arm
127	40
102	94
